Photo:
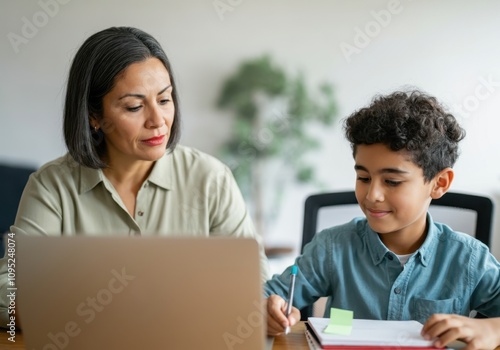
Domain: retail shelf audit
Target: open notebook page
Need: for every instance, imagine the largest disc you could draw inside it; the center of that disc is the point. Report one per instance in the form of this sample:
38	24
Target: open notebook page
373	333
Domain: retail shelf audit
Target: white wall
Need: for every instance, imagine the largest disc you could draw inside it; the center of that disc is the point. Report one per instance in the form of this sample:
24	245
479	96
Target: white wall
448	48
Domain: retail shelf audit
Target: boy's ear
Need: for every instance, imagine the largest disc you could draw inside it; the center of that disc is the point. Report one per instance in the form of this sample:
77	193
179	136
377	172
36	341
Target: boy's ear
442	182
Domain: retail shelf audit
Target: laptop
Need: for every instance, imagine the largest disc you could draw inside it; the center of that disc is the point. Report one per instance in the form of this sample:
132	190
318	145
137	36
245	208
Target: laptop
88	292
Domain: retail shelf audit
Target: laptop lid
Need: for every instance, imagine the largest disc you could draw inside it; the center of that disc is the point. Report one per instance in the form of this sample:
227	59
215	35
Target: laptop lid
139	293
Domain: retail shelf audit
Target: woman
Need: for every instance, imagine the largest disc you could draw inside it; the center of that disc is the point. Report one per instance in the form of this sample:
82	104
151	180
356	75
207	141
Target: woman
124	173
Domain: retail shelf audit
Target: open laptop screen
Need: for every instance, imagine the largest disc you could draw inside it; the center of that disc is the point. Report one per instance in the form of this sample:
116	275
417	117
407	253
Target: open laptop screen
139	293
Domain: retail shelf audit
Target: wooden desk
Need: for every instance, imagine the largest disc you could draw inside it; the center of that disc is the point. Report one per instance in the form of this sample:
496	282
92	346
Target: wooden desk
6	344
294	340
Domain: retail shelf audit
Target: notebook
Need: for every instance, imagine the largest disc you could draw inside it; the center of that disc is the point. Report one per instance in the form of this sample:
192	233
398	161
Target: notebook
367	334
139	293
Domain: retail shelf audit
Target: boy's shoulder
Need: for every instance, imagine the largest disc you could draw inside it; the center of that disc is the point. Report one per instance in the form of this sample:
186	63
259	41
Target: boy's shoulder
448	238
446	232
354	229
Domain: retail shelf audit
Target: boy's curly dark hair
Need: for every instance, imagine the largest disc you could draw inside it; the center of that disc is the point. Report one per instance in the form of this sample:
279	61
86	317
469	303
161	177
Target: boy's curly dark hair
410	121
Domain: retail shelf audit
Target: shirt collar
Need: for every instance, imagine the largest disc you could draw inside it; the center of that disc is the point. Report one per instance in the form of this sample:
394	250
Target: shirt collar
161	175
378	250
428	248
89	178
163	171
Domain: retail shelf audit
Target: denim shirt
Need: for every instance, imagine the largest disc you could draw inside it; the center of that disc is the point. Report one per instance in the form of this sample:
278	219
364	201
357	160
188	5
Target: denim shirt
451	272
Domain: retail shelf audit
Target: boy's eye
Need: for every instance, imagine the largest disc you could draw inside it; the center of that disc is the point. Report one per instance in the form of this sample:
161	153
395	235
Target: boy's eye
363	179
392	183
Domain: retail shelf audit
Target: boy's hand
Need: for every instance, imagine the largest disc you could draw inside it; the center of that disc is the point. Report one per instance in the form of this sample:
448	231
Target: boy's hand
477	333
276	315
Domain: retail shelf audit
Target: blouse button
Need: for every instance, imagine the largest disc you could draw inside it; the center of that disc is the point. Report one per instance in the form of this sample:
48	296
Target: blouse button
140	213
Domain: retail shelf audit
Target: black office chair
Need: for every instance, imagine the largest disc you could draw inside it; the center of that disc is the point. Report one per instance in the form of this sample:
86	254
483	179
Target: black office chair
12	182
479	226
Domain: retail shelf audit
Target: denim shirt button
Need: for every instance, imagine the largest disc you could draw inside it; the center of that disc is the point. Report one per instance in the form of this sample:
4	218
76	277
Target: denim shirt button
397	291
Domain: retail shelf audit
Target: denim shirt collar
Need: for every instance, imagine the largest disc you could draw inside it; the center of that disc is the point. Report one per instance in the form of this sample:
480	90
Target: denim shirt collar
428	248
378	250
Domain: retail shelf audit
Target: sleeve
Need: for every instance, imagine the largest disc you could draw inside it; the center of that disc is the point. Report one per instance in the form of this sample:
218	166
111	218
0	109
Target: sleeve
485	297
38	213
314	267
229	215
39	210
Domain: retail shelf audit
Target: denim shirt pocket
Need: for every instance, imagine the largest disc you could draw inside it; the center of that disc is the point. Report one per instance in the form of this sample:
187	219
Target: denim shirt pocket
423	308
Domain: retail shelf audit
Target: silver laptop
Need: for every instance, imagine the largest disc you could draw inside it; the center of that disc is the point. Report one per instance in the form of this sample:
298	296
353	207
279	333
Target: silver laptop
139	293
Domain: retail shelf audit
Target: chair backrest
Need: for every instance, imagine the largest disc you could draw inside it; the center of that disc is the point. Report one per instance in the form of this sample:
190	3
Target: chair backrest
12	182
463	212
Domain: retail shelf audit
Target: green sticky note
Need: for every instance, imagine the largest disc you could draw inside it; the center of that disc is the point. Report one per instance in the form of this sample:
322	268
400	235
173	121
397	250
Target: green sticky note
340	322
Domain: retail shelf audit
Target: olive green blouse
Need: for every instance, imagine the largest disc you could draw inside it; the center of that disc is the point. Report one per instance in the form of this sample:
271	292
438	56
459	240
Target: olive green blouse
188	193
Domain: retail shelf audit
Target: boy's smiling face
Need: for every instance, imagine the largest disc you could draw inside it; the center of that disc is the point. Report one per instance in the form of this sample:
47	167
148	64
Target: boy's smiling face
393	195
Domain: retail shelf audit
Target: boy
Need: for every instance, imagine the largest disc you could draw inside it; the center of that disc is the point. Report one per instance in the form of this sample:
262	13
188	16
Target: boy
397	264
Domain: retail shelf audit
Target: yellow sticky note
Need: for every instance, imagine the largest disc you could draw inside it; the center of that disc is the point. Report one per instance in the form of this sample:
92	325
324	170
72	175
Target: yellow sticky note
340	322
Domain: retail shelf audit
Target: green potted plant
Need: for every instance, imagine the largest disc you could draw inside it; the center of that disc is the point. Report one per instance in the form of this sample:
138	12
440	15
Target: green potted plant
271	139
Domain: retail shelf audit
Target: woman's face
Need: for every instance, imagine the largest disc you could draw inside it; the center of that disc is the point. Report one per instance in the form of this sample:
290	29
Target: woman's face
138	113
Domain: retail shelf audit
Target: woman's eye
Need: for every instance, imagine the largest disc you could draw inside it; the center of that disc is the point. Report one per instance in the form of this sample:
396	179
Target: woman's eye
164	101
133	109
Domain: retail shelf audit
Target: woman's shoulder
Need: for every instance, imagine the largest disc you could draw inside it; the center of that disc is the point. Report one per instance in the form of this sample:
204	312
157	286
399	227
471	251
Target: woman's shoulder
57	169
194	158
